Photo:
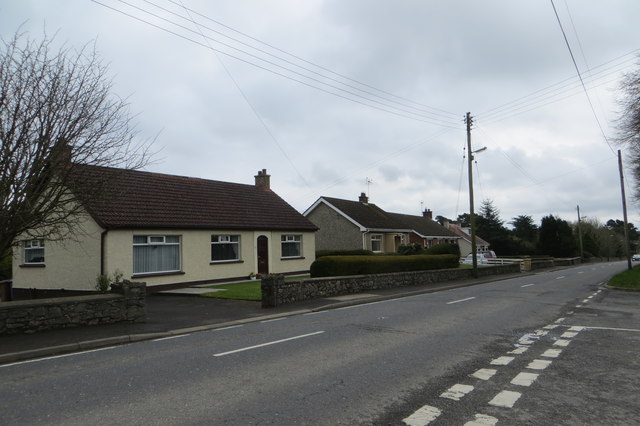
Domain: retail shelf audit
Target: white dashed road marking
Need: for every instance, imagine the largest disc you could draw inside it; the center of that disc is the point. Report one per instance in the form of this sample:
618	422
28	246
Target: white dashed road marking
569	334
539	364
482	420
456	392
503	360
562	342
505	399
461	300
423	416
519	351
484	373
552	353
524	379
526	285
267	344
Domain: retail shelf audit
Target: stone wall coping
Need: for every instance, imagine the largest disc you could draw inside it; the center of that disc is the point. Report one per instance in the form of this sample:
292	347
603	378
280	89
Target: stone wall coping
59	300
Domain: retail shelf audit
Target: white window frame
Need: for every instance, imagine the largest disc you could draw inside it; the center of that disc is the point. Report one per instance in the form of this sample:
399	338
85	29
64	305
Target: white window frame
378	239
291	239
226	239
32	245
158	241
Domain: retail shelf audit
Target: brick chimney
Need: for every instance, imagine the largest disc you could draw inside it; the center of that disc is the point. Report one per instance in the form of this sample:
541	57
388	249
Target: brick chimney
263	180
428	214
363	198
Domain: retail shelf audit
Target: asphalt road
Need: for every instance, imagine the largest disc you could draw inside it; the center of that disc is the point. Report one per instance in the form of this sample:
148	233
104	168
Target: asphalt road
379	363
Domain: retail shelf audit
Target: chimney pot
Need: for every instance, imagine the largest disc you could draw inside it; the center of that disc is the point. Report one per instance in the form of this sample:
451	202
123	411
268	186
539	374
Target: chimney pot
428	214
263	180
363	198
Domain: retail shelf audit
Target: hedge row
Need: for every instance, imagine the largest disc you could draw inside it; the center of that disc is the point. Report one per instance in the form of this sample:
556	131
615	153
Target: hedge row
411	249
334	266
322	253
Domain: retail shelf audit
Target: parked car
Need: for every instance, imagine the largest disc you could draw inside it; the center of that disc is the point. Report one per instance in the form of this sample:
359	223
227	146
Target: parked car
483	258
635	257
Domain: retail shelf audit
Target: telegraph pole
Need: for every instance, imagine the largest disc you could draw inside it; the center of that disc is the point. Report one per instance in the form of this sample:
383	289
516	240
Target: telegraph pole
624	212
580	236
472	219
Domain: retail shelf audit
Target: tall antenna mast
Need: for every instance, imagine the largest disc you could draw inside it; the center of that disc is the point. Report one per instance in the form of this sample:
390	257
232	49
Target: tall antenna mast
369	182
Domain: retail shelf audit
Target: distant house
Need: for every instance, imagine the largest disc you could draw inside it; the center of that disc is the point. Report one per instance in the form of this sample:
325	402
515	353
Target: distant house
465	239
170	230
352	225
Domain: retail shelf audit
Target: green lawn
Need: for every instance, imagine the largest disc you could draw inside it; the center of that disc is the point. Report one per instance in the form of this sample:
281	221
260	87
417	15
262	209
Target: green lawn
246	290
627	280
249	290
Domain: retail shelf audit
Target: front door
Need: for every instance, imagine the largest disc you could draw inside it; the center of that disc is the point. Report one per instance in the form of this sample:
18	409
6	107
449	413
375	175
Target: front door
263	255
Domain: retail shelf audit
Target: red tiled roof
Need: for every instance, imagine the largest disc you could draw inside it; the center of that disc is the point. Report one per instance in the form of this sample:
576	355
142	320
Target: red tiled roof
135	199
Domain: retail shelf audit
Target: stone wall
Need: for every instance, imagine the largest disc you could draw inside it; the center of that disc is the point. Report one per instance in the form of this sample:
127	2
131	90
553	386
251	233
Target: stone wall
125	303
276	291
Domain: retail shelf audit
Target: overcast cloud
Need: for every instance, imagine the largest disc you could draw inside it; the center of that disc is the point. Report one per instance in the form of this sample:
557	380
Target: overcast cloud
424	65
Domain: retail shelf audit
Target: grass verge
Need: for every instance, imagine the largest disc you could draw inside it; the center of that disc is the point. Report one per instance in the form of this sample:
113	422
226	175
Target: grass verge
627	280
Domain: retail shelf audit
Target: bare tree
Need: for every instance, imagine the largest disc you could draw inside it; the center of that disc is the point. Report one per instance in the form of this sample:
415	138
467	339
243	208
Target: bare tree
629	123
56	111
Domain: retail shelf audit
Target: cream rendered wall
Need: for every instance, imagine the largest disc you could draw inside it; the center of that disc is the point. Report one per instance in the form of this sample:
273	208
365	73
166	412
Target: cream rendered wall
73	264
196	255
277	265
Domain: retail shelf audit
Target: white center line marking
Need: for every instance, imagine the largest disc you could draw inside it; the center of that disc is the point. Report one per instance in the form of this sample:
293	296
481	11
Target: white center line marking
461	300
272	320
560	277
539	364
170	337
267	344
423	416
576	328
456	392
526	285
57	356
552	353
503	360
524	379
482	420
560	320
505	399
484	373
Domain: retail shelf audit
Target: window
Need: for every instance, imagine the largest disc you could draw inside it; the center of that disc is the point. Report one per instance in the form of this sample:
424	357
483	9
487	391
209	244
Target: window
34	251
156	253
225	247
376	243
291	245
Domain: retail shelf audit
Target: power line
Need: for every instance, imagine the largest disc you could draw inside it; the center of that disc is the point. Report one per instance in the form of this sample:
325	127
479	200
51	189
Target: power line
416	115
586	92
437	110
551	93
255	112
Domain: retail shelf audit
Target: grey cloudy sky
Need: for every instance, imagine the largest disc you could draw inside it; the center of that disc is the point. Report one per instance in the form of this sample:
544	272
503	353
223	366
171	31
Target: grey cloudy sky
327	93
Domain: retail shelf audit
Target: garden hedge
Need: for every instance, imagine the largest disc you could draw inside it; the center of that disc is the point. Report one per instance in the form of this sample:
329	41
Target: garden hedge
332	266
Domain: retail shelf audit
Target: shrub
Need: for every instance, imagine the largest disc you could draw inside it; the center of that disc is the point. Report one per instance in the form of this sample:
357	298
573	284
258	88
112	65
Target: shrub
103	282
328	266
444	249
322	253
410	249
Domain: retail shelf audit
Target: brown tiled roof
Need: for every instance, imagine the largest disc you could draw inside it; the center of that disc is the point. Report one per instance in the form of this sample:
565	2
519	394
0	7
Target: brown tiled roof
373	217
423	225
366	214
135	199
